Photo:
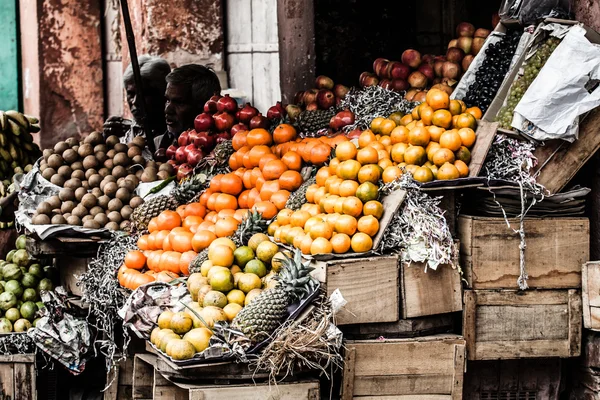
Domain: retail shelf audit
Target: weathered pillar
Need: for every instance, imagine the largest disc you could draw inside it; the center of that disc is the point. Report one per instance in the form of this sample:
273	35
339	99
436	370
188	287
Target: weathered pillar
61	58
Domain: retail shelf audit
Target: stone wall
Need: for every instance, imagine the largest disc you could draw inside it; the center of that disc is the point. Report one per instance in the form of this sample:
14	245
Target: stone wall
588	12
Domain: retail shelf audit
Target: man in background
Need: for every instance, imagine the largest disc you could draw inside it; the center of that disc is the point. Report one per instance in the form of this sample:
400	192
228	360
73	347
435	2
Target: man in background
188	88
154	71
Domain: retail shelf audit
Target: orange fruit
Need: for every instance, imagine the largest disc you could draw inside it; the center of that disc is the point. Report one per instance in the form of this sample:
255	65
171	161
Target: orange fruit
463	154
426	114
346	224
415	155
475	112
366	137
463	169
195	209
442	156
386	140
399	135
310	192
466	120
391	173
225	227
349	169
319	194
321	229
386	127
333	164
334	186
447	171
292	160
467	136
284	133
268	189
376	124
239	140
273	169
398	151
225	201
368	224
322	174
455	107
202	239
348	188
419	136
450	140
437	99
345	151
352	206
431	148
168	220
290	180
374	208
266	208
423	174
259	136
435	132
340	243
135	259
280	198
385	162
299	218
367	155
284	216
442	118
320	154
361	242
320	246
306	244
407	119
415	113
367	191
369	173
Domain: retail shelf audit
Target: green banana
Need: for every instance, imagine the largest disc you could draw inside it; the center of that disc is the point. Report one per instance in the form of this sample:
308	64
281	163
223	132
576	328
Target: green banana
27	137
34	128
13	152
28	146
3	140
3	121
14	127
5	155
18	118
32	120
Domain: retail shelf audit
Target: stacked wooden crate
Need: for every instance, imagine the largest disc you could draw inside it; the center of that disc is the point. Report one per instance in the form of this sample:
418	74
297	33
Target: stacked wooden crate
501	322
396	304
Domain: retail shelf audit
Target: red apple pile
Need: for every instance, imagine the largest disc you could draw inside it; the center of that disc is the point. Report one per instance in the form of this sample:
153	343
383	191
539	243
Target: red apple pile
324	95
220	121
467	45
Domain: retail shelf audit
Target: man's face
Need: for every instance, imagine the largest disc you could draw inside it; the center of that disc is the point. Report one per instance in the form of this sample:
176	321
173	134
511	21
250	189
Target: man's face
180	110
155	104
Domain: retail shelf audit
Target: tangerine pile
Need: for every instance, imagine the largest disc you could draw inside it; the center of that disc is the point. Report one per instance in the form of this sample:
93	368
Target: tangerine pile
342	210
227	282
433	142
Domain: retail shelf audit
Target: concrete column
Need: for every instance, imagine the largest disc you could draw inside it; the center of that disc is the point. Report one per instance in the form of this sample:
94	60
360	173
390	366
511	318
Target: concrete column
61	56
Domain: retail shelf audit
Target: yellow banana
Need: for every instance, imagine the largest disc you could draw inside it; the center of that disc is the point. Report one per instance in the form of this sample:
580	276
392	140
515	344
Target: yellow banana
14	127
3	121
3	140
32	120
18	118
5	155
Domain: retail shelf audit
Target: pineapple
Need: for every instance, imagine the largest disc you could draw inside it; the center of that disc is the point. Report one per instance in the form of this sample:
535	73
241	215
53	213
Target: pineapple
312	121
184	193
298	198
259	319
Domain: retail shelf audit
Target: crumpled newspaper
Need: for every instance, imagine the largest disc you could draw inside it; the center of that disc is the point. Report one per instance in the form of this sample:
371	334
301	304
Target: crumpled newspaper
144	305
60	334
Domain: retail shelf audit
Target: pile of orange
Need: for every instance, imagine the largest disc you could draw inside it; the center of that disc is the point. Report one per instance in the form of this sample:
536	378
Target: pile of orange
433	142
342	211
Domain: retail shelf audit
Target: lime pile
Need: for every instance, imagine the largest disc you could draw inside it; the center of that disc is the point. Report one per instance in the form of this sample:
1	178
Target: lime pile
22	279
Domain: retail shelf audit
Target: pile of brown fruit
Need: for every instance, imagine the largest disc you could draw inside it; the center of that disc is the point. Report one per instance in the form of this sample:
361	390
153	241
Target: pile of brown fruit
98	179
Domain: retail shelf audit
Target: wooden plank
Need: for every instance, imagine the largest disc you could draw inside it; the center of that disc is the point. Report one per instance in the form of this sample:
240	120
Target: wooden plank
391	204
459	371
403	328
394	385
587	317
469	321
17	358
407	397
556	249
594	318
296	32
429	293
514	297
7	388
25	381
591	349
590	277
377	275
574	323
348	374
508	349
143	376
559	161
486	132
282	391
112	391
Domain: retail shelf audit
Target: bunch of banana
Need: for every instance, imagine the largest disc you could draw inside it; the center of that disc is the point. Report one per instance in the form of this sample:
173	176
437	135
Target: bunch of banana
17	150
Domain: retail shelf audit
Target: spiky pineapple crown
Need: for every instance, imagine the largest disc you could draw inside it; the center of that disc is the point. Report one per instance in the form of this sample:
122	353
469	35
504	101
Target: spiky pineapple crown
295	277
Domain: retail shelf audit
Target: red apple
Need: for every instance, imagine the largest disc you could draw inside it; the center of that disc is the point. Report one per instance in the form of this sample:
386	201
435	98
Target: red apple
467	61
437	67
412	58
341	119
455	55
180	155
325	99
377	64
420	97
368	79
340	90
477	45
451	70
428	59
324	82
310	96
465	29
299	97
354	134
385	83
417	80
194	157
382	68
427	70
482	33
171	152
160	155
464	43
183	140
237	128
259	121
411	93
399	85
223	121
223	136
173	163
400	71
204	122
312	106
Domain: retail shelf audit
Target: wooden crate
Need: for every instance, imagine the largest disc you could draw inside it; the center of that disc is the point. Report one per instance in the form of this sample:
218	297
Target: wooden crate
590	349
149	383
556	249
404	328
17	377
121	381
429	367
590	293
513	379
378	289
508	324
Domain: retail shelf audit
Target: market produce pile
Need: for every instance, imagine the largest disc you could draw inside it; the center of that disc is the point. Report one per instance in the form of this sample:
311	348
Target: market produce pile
98	179
22	279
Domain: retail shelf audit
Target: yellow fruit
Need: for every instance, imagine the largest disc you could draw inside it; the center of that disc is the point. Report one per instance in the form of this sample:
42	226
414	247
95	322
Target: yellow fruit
320	246
251	296
212	314
165	339
199	338
258	238
231	310
222	280
447	171
236	296
221	255
164	319
276	261
423	174
235	269
265	251
249	282
205	267
367	191
256	267
214	298
194	283
181	323
154	334
223	241
202	292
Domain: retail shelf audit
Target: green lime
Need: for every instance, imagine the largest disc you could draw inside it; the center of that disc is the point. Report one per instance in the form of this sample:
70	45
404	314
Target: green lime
30	294
15	287
11	271
9	256
5	325
45	284
20	243
28	310
35	321
22	325
29	280
242	255
21	258
12	314
256	267
37	271
7	300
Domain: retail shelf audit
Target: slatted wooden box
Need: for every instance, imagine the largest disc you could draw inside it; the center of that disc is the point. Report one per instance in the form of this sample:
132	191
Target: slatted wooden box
150	384
590	292
18	377
556	249
508	324
381	289
429	367
538	378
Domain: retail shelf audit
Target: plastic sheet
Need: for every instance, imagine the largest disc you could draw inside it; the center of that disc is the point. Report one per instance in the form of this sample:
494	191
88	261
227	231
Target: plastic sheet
532	11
